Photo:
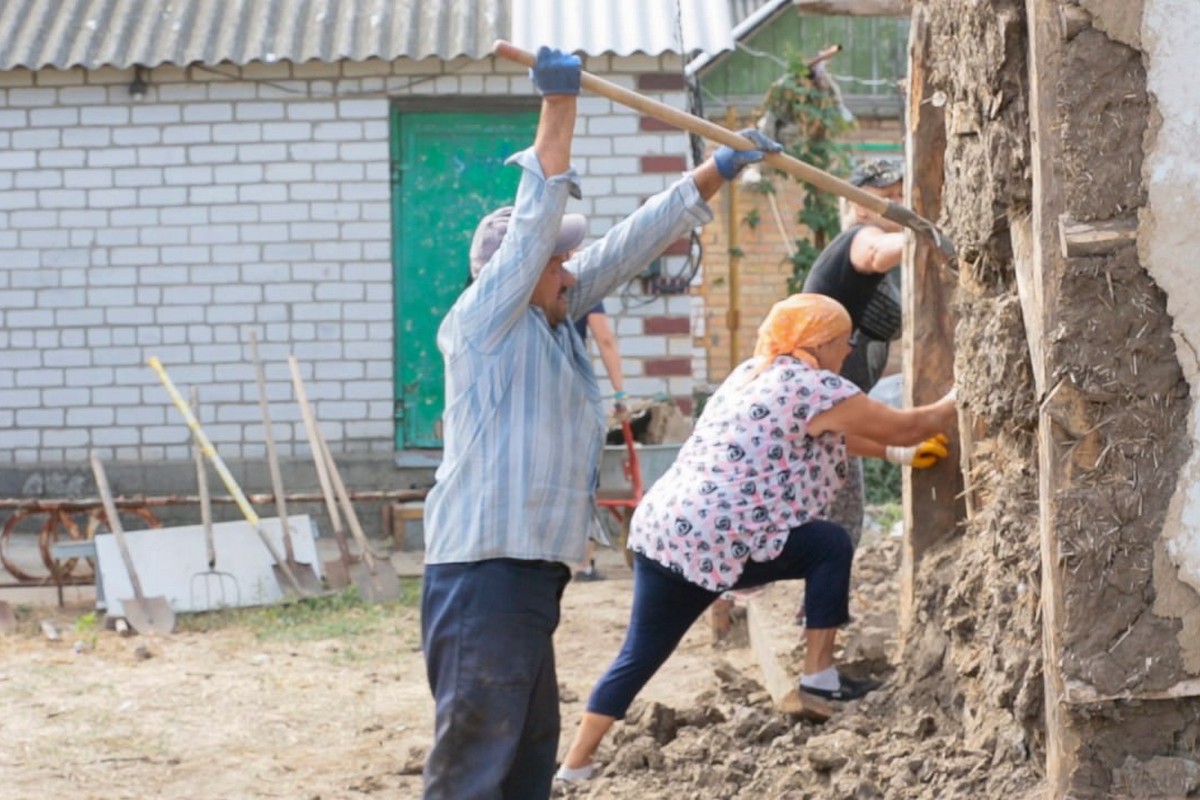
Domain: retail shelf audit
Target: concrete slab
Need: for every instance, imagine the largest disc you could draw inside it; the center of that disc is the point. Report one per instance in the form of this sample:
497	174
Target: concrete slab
172	563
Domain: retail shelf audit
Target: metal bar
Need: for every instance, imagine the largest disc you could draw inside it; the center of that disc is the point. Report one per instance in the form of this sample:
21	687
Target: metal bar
138	501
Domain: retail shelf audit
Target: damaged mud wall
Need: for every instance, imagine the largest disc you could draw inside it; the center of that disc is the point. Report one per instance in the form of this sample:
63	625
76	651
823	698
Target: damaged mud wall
1074	414
1121	719
973	642
1167	248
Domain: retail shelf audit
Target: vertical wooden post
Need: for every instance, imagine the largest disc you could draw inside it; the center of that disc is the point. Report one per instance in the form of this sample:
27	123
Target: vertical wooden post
933	506
1038	290
733	319
719	614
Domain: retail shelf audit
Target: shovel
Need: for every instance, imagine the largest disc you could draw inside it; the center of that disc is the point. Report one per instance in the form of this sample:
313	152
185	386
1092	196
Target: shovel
144	614
215	587
376	581
303	572
226	476
337	572
781	161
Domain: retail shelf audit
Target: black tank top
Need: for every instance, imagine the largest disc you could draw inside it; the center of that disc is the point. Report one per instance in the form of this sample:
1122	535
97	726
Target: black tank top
874	308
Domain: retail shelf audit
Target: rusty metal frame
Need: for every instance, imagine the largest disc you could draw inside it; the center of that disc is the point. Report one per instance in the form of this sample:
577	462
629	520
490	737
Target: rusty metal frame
60	521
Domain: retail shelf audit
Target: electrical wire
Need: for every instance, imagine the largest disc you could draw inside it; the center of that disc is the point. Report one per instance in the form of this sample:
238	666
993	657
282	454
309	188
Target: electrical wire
750	51
631	299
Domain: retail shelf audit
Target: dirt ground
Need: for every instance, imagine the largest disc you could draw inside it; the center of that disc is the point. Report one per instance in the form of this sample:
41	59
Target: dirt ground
332	703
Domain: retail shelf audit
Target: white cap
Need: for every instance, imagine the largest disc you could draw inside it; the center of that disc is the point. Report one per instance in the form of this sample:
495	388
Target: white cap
494	226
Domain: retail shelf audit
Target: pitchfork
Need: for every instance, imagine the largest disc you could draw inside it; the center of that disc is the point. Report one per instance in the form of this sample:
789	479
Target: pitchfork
211	583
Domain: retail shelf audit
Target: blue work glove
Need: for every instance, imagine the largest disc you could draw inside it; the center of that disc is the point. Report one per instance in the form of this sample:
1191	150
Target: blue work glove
730	161
555	72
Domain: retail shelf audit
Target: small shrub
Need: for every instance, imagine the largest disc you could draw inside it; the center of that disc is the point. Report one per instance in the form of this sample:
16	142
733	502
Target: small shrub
881	481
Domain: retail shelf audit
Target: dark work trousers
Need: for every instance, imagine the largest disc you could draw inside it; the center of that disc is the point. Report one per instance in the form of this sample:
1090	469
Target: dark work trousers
486	630
665	605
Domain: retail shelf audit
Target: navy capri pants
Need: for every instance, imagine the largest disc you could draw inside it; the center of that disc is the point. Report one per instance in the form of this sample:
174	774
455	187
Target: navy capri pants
665	605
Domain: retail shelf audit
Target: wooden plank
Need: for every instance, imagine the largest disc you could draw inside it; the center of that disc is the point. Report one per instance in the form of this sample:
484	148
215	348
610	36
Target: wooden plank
1045	56
1029	291
933	505
1083	694
1095	238
768	649
857	8
775	675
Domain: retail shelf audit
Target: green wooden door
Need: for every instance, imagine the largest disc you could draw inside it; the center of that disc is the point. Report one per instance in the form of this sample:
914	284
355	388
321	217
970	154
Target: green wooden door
447	173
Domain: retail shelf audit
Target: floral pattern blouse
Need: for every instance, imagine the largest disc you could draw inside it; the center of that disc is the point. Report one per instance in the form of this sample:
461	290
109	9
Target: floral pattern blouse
748	474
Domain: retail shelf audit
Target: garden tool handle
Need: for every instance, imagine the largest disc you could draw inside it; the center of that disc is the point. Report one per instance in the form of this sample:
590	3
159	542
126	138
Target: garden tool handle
114	525
214	458
714	132
260	377
203	442
210	549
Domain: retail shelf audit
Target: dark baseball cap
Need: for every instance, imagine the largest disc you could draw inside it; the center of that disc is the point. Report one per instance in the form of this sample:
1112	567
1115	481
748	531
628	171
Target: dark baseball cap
878	172
492	228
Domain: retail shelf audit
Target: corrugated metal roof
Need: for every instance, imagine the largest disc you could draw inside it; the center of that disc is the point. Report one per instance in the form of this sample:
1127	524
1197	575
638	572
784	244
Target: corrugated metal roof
762	14
740	9
124	33
624	27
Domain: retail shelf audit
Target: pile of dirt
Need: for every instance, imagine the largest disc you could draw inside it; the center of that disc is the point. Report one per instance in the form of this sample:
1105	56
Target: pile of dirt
729	742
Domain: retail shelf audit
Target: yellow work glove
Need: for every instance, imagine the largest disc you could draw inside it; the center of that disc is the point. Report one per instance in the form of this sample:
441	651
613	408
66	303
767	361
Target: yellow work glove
922	456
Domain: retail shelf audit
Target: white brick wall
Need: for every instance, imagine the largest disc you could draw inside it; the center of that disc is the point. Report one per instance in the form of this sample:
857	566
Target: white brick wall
220	205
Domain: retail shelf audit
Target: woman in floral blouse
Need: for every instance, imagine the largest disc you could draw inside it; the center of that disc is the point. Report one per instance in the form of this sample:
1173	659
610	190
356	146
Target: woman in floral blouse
741	505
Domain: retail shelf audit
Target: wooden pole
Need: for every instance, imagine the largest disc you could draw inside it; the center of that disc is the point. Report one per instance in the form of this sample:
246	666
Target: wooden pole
733	318
933	507
781	161
1038	275
719	616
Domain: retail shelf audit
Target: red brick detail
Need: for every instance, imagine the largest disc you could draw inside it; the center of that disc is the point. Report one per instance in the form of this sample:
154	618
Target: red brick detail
655	124
667	367
685	405
661	82
666	326
664	163
679	247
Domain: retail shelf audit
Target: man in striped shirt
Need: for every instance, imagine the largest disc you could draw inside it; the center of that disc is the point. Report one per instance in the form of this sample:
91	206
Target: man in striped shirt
523	430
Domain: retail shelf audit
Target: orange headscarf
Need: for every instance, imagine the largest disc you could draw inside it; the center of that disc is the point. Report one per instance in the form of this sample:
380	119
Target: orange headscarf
797	322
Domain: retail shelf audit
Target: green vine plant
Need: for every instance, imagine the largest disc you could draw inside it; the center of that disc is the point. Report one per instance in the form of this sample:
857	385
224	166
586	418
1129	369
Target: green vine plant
752	219
803	111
